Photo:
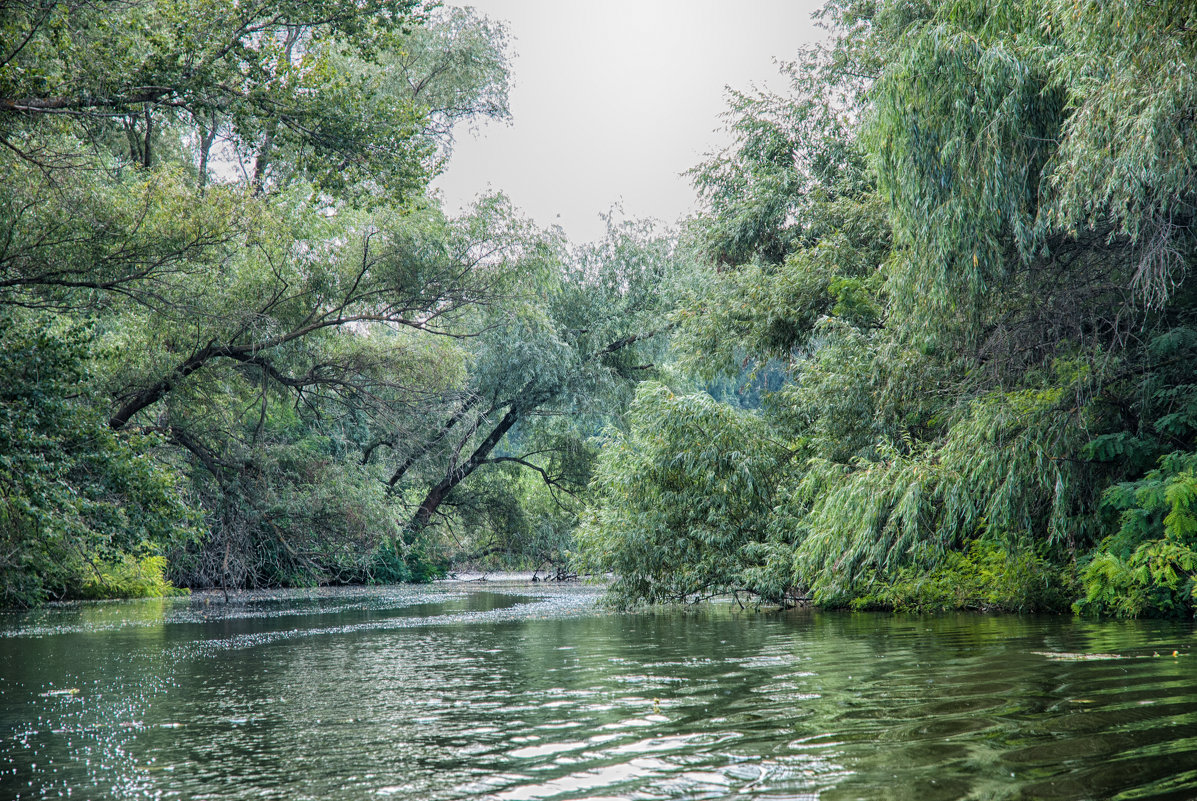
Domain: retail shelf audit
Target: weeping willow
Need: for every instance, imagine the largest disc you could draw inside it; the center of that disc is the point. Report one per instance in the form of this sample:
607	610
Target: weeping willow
985	311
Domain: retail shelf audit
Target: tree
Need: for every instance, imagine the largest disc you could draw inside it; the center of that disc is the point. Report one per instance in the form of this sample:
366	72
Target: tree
101	73
682	500
273	402
985	314
787	154
77	503
277	94
553	362
231	197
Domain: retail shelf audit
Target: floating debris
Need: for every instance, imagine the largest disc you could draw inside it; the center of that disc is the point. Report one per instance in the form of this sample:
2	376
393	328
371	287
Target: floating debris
1066	656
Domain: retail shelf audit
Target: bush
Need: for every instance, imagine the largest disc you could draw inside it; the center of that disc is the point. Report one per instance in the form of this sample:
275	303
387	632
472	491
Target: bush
129	577
684	499
986	577
1149	566
73	493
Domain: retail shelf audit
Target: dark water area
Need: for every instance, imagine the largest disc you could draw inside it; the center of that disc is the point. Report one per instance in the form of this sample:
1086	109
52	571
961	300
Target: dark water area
529	691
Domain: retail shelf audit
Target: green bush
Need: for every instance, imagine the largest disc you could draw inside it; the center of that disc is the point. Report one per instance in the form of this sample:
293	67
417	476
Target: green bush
986	576
684	498
392	563
73	493
1149	566
129	577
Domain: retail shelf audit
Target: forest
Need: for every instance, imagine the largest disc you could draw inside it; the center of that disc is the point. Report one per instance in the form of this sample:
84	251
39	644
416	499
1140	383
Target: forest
930	344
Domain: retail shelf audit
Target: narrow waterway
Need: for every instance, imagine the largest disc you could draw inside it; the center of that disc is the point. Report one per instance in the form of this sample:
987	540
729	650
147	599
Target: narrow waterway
530	691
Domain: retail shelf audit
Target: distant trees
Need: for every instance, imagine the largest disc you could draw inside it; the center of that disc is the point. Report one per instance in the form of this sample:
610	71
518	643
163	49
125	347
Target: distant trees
553	362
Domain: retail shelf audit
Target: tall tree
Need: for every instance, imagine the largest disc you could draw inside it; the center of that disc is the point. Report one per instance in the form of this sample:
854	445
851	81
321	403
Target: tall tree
232	197
569	344
989	331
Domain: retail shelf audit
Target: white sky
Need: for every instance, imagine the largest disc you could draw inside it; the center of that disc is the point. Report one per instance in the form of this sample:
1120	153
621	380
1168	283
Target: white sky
614	99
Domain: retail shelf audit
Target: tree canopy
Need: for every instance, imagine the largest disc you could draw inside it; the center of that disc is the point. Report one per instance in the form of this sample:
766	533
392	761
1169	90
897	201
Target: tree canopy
236	323
930	342
967	235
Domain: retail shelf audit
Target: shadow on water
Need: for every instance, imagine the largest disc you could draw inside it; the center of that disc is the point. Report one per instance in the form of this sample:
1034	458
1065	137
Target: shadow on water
281	610
516	693
260	616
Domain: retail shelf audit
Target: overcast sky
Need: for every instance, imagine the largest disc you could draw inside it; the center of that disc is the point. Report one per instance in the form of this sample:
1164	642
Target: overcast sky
613	99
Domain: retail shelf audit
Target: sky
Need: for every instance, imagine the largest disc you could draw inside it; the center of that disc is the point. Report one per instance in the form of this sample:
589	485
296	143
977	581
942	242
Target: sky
613	100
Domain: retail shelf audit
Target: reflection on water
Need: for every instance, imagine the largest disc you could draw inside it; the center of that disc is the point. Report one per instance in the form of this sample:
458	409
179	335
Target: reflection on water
530	692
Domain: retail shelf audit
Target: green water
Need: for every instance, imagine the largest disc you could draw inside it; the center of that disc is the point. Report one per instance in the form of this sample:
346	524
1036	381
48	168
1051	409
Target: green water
460	691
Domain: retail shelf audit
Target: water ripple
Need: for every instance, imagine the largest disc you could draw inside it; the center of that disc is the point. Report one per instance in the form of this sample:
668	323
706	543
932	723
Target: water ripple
522	692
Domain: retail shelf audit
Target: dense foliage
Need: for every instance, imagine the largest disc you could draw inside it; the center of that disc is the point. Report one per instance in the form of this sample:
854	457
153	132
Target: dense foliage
932	343
241	345
967	235
77	502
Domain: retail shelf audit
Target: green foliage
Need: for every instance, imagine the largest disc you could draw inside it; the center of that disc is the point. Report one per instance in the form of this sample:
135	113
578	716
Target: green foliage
1149	565
684	497
963	121
997	469
394	562
129	578
295	514
984	576
260	77
788	154
454	68
944	285
1124	163
548	368
772	310
73	495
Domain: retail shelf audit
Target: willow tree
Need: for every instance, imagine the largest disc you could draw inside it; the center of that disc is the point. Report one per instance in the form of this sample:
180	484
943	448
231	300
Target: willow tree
791	242
992	330
1052	296
233	197
551	363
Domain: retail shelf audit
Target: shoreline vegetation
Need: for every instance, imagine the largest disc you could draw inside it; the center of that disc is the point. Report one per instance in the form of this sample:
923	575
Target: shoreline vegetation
931	342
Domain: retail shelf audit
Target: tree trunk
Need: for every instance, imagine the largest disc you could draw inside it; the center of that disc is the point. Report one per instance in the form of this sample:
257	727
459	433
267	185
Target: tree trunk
261	163
439	491
442	488
147	158
207	137
443	432
152	394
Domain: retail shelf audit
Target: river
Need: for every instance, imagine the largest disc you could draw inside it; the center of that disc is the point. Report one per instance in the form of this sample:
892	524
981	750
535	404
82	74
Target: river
512	691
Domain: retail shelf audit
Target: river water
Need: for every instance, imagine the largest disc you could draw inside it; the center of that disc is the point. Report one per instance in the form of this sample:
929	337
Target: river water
511	691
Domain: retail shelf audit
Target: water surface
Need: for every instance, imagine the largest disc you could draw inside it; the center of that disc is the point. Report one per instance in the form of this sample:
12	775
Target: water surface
523	691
